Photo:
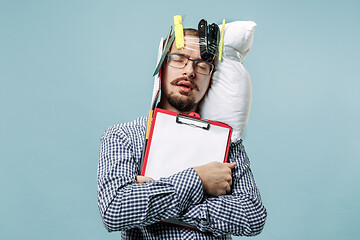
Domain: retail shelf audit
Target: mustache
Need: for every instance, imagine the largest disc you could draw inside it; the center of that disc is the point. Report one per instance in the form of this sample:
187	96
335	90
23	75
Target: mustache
177	80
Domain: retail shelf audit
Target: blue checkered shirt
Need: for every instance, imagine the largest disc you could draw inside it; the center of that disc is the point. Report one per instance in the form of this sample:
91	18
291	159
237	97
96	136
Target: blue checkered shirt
135	209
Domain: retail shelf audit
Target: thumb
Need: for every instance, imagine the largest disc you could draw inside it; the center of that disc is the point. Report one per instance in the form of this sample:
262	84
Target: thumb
230	165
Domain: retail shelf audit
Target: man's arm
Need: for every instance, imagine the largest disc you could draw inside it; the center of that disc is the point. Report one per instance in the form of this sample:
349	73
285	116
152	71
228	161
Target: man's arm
126	204
240	213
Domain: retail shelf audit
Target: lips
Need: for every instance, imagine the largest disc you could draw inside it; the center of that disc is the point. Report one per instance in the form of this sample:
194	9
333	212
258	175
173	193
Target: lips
185	86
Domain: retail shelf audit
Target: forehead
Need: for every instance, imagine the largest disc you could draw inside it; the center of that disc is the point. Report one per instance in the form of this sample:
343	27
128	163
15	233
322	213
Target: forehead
192	47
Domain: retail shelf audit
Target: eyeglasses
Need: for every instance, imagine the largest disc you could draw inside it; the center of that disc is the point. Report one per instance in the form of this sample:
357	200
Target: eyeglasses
180	61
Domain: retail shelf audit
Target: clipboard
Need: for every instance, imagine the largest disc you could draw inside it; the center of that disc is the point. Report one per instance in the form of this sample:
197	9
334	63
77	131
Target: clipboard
177	142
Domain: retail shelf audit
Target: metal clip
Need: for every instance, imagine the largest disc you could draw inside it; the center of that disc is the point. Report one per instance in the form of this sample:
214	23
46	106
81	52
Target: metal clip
191	121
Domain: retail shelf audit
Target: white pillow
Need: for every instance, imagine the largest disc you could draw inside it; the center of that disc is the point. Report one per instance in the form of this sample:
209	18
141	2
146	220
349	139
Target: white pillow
229	97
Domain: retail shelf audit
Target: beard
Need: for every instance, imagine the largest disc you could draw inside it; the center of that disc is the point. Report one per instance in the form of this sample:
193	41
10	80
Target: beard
182	103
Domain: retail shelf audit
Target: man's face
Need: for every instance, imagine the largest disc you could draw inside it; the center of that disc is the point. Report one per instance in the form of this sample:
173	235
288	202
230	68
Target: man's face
182	89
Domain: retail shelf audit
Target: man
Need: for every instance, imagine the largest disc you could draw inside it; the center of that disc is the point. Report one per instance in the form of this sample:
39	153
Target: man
217	199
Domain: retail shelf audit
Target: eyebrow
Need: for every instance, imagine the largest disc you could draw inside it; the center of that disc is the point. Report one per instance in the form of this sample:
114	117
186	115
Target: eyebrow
188	56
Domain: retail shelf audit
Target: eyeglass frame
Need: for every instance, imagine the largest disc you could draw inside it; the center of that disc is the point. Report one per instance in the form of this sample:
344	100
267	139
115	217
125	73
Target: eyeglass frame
194	62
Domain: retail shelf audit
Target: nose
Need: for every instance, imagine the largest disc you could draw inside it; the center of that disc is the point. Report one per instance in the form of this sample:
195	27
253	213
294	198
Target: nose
189	70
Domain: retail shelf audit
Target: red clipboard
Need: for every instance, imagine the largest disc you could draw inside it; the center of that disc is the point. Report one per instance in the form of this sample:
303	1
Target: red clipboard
177	142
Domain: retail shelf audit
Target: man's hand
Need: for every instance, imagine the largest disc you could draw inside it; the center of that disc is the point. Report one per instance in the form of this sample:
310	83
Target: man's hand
141	179
216	177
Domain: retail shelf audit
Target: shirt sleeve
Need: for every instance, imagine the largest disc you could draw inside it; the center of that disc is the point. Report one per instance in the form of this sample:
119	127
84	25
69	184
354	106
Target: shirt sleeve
126	204
241	213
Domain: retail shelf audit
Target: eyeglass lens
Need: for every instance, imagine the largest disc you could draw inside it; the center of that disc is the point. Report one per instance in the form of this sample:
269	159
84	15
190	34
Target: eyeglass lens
180	61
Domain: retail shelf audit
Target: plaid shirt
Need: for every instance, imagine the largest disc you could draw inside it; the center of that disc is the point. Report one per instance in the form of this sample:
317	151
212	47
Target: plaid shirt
136	209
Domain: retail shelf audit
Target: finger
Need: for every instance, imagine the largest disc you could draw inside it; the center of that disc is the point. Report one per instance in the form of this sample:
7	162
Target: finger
230	182
228	178
221	191
144	178
141	179
228	189
230	165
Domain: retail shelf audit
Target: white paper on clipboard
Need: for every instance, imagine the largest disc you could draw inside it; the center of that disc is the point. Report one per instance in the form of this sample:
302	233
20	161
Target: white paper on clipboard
175	146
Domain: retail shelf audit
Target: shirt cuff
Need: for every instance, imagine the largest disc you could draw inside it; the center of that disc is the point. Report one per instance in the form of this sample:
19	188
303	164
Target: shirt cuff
188	187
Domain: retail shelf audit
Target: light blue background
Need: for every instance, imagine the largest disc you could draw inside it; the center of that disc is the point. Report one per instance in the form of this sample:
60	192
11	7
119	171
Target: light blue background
69	69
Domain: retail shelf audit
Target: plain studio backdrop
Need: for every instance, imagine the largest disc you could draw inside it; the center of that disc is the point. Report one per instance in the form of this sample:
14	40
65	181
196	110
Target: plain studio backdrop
70	69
